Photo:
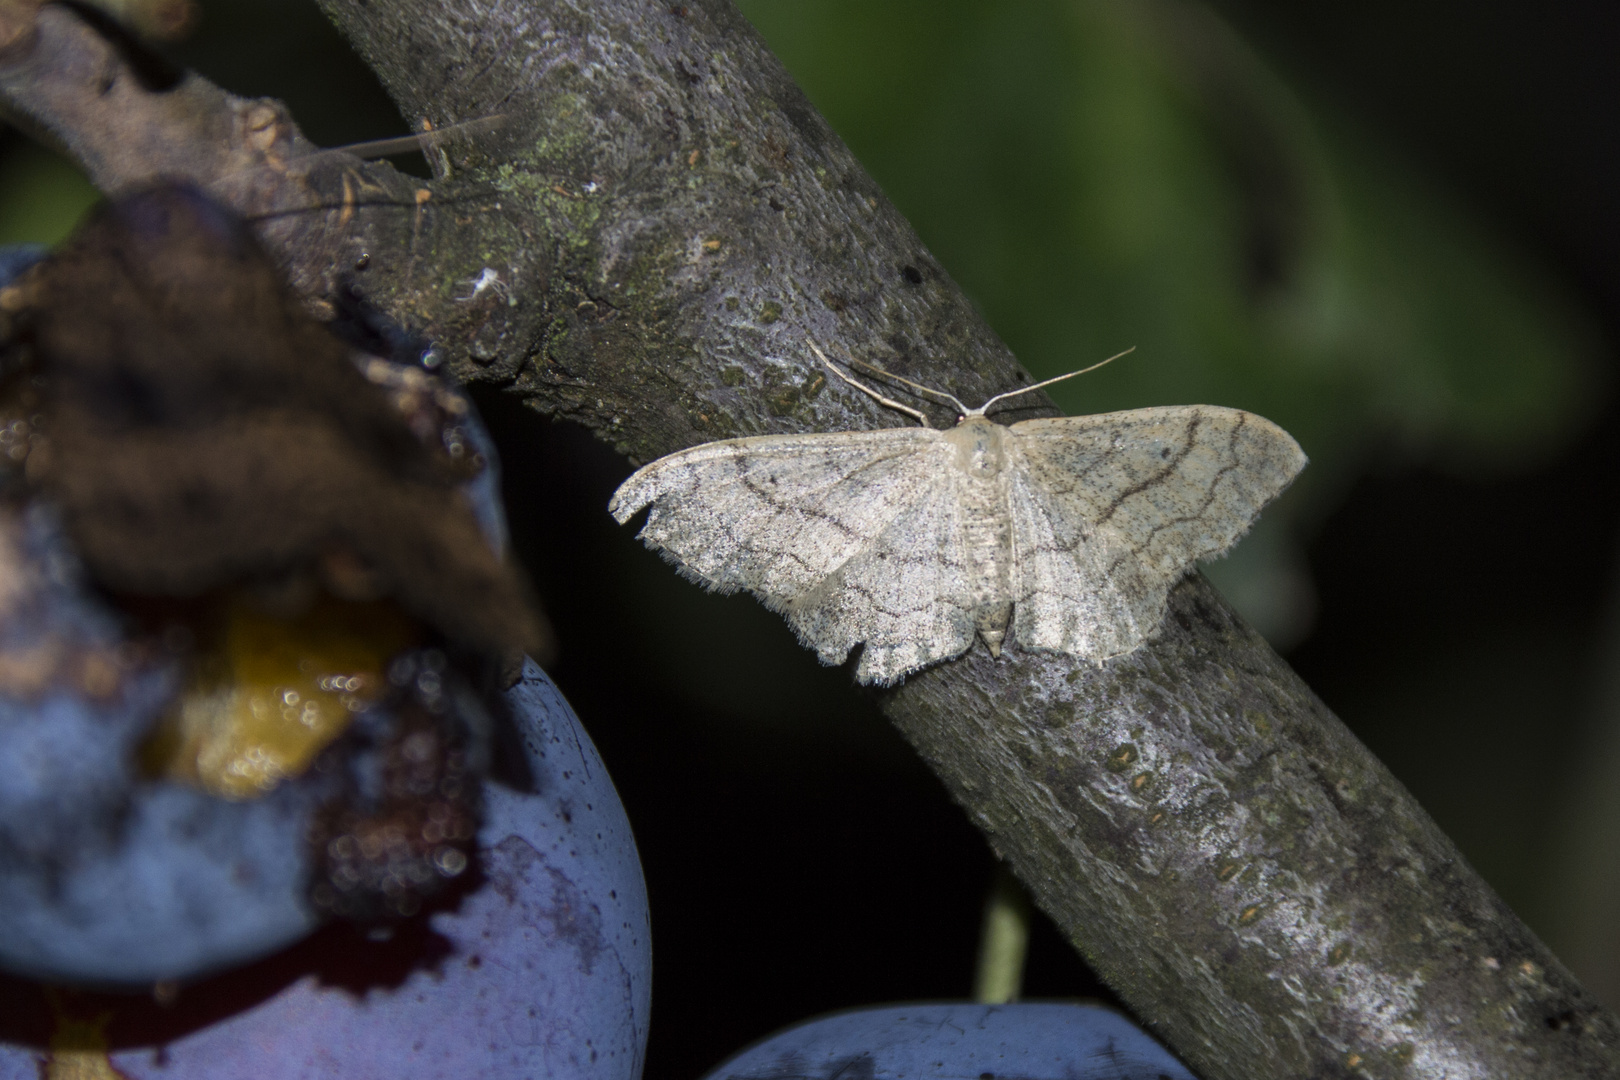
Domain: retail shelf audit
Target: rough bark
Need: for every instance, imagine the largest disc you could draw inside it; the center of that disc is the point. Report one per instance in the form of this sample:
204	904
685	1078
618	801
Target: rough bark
669	221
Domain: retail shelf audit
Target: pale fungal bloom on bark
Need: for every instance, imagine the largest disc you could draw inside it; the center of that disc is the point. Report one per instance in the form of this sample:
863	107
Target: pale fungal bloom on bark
912	540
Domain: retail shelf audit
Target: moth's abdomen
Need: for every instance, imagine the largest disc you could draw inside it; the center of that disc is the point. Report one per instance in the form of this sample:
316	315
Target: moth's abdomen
987	554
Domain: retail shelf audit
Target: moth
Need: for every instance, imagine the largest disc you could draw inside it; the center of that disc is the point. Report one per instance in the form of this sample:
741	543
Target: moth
1066	533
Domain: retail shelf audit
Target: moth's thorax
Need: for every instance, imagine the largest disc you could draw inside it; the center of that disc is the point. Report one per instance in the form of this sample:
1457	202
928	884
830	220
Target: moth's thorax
980	446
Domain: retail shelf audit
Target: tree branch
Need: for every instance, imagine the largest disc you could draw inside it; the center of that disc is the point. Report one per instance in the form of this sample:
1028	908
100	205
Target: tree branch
669	221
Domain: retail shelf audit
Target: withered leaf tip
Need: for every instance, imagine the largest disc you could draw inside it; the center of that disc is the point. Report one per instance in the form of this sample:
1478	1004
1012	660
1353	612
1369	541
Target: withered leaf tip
202	429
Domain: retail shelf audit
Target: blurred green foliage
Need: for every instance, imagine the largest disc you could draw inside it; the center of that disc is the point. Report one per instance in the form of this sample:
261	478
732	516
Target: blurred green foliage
42	194
1100	174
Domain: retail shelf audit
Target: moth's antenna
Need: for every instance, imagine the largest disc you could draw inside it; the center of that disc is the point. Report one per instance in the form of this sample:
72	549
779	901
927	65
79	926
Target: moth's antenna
982	409
960	408
907	409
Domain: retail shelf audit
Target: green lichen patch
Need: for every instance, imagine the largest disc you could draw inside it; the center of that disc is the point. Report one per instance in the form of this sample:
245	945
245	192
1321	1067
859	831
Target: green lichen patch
785	401
1121	758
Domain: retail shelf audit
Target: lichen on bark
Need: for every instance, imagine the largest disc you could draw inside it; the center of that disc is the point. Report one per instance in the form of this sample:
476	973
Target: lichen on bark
668	221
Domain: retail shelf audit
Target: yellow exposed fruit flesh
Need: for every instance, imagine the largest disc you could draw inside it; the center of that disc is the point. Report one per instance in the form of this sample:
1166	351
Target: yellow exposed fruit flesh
269	694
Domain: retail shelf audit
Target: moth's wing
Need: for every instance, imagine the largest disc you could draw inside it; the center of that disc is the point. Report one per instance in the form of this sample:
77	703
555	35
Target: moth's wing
906	594
777	514
1110	510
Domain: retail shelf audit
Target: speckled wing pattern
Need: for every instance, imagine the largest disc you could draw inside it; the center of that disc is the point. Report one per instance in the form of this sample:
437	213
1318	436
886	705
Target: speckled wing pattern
863	536
1109	511
854	536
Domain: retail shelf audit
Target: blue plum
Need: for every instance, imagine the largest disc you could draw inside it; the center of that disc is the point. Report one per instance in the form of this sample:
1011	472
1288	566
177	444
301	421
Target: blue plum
113	878
950	1041
543	969
117	865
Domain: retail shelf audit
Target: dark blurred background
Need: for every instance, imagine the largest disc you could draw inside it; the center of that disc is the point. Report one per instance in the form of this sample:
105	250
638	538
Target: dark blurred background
1392	229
